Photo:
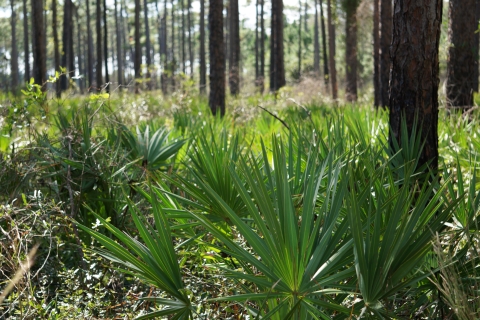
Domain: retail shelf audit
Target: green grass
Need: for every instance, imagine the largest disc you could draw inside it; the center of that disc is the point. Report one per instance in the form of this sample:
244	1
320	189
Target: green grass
303	214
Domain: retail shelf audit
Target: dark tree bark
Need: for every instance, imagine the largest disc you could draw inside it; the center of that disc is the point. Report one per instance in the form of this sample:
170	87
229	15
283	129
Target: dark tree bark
217	58
67	42
331	51
89	47
262	46
105	45
182	39
39	50
477	45
79	50
277	68
299	66
461	54
14	55
234	63
98	69
376	52
138	48
26	47
351	51
173	60
55	46
148	48
316	44
189	26
257	58
120	55
385	42
415	69
324	46
203	67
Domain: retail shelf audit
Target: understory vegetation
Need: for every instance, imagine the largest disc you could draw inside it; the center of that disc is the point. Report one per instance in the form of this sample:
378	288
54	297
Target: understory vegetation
149	207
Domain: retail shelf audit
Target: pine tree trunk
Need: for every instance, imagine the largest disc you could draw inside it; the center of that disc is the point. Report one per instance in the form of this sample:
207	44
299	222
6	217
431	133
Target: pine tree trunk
182	39
477	45
67	40
39	50
324	46
190	49
173	60
120	55
203	67
316	44
385	42
26	42
79	48
98	25
257	40
138	48
415	70
14	55
55	46
351	55
217	58
89	48
299	66
262	46
234	76
331	51
277	69
105	45
147	45
461	54
376	52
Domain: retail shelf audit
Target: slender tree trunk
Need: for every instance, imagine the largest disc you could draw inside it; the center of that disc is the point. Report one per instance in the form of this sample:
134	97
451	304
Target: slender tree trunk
190	49
138	48
55	46
147	45
299	67
67	40
203	67
89	48
14	55
120	54
257	40
161	50
173	60
376	52
182	39
80	51
324	46
385	42
26	42
331	51
39	50
226	34
217	58
98	70
461	54
415	69
316	44
351	55
277	69
262	46
105	45
477	45
234	77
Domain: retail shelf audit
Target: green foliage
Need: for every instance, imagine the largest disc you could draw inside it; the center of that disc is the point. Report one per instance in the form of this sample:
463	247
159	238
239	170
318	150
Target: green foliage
201	217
